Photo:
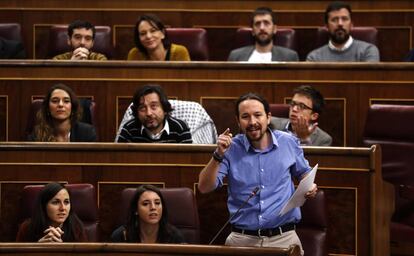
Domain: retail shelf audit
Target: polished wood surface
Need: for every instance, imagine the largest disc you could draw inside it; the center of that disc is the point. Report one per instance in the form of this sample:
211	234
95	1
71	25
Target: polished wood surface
348	88
138	249
359	202
394	20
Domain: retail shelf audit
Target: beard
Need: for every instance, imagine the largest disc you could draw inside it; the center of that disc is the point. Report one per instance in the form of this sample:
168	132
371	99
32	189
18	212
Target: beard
339	36
152	124
263	41
255	129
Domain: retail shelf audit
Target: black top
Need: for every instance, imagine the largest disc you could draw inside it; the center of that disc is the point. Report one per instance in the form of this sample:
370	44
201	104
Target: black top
179	132
80	132
174	236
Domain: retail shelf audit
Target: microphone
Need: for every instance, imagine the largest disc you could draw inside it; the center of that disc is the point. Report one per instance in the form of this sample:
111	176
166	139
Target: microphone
252	194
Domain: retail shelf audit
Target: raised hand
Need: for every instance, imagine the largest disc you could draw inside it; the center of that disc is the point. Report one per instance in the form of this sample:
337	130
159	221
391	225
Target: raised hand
303	128
224	142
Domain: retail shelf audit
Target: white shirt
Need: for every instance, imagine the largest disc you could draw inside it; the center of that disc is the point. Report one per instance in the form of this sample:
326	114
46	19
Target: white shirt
158	135
258	57
346	46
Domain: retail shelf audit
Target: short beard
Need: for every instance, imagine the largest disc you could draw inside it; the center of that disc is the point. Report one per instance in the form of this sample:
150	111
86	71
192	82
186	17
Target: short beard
257	139
263	42
339	39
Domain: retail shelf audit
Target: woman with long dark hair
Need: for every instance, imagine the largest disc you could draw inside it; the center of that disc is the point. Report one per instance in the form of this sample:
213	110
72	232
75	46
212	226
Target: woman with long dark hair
58	118
53	219
151	42
147	220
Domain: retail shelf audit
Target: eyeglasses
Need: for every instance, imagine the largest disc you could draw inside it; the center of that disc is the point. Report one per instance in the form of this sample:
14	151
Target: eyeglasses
300	105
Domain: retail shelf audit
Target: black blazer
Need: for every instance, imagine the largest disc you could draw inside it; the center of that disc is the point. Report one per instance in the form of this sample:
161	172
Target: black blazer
82	132
10	49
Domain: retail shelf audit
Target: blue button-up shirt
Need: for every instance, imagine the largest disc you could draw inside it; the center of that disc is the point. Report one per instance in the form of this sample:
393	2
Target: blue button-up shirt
271	170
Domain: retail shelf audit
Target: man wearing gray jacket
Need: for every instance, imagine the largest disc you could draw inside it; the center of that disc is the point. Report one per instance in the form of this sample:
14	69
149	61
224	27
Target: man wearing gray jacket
306	105
263	29
342	46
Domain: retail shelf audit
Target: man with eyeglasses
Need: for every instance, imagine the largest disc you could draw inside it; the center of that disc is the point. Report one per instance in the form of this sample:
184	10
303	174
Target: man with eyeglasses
341	45
81	39
306	105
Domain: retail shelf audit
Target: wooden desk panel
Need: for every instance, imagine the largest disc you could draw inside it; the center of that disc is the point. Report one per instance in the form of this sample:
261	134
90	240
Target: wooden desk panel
348	88
111	249
359	203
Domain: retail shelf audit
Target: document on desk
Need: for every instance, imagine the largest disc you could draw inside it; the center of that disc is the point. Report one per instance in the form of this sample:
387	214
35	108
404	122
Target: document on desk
298	198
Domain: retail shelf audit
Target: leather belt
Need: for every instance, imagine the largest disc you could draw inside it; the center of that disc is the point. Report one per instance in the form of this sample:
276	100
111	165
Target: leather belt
266	232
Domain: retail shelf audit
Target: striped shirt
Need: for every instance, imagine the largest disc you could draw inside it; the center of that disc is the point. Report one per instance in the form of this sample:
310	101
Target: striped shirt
178	132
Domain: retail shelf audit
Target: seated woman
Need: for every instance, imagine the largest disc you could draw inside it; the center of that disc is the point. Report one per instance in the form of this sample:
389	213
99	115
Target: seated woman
152	43
58	118
53	219
147	220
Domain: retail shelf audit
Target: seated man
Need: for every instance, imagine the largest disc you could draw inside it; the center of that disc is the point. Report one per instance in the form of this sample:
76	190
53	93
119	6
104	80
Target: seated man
11	49
306	105
152	121
81	38
341	45
263	29
202	128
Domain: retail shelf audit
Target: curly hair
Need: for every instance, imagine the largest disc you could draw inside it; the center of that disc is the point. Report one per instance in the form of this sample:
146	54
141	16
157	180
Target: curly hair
147	89
44	129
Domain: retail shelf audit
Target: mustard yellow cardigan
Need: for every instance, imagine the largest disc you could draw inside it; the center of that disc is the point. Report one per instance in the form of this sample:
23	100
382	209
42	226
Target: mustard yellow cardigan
177	53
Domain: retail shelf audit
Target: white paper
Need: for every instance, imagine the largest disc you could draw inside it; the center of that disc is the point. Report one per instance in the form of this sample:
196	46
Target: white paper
298	198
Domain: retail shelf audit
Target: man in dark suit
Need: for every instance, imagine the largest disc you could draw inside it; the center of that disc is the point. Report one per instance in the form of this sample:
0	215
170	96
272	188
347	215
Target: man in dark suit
263	29
306	105
11	49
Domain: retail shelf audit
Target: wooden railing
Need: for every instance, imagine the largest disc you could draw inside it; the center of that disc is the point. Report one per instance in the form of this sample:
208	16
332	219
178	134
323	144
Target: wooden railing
138	249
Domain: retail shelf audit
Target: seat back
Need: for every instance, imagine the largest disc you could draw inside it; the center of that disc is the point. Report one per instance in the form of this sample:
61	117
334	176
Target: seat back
11	31
392	127
284	37
88	114
312	230
367	34
194	39
83	203
58	41
182	210
279	110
